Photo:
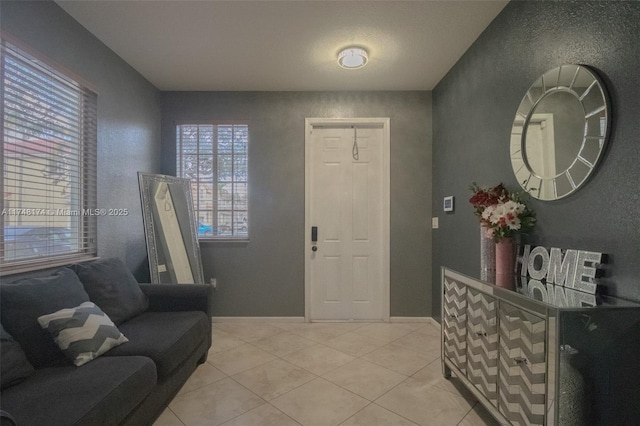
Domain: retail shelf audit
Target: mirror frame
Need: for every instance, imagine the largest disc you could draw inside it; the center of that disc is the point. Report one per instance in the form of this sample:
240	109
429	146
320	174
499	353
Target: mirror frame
563	183
172	239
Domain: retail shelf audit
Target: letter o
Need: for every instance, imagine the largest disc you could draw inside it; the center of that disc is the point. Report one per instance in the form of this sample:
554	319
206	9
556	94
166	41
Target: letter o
538	274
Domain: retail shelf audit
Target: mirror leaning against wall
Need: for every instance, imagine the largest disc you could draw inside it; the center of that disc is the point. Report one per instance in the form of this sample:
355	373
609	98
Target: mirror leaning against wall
170	229
560	132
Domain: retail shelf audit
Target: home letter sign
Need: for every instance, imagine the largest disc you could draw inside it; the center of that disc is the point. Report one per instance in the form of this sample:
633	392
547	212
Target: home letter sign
573	269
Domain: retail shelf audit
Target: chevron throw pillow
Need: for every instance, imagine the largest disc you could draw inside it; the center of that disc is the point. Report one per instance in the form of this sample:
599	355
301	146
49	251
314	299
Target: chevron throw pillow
83	333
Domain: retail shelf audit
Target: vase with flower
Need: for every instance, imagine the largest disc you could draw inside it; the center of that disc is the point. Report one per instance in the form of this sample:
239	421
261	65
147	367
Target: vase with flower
482	198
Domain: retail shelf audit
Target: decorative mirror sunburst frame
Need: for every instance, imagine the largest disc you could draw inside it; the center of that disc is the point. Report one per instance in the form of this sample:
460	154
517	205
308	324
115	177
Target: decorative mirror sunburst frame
548	164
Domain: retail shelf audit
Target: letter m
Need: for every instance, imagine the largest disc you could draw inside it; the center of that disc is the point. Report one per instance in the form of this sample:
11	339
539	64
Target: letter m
562	270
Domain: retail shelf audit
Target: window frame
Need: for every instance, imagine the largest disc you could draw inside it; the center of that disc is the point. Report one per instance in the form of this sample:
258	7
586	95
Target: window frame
82	148
196	202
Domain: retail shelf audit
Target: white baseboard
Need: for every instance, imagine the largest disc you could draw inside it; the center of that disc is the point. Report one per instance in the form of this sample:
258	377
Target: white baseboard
416	319
410	319
301	319
436	323
257	319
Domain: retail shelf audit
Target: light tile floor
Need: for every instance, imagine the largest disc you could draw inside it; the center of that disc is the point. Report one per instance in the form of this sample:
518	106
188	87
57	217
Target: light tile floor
348	374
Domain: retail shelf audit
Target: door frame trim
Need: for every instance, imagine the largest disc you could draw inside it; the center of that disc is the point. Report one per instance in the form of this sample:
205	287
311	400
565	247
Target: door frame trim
384	122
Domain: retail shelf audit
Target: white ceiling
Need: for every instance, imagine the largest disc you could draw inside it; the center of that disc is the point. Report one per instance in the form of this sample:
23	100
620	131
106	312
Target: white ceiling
286	45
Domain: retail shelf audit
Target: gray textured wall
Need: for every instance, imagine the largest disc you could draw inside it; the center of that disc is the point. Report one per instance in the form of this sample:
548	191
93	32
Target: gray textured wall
474	106
265	277
128	118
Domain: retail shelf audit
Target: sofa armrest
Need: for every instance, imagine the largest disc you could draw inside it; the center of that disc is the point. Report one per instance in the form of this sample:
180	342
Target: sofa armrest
179	297
7	419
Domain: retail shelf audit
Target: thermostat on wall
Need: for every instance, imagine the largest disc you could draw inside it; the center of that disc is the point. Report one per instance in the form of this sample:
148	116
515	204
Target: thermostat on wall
448	204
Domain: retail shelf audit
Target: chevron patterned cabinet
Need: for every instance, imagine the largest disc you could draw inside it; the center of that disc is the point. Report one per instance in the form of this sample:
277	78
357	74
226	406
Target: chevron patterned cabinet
522	366
482	344
531	362
454	328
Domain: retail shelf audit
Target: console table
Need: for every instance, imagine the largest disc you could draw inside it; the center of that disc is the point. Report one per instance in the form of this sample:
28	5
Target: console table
537	354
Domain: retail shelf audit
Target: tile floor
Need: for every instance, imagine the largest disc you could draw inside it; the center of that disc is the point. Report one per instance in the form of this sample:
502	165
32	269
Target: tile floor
349	374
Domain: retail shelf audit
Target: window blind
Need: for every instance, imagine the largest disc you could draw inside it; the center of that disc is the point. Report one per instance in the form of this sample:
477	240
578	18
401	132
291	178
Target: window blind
215	158
49	163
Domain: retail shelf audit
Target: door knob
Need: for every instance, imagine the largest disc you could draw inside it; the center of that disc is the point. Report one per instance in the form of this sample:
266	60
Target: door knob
314	248
520	360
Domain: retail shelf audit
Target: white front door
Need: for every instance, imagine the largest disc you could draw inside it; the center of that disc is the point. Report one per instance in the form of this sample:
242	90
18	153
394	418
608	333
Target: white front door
347	266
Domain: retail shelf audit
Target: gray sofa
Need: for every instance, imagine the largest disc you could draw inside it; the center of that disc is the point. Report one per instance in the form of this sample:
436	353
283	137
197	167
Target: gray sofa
168	328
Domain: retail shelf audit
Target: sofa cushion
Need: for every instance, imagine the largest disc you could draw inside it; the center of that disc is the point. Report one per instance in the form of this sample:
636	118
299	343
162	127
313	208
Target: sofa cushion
168	338
113	288
101	392
24	300
83	333
14	366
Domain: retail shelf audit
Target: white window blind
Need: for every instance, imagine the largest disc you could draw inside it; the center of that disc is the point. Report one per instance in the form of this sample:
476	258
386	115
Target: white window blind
215	158
49	131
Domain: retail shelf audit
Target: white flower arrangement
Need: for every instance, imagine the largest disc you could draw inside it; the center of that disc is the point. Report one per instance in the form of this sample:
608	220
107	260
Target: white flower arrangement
508	216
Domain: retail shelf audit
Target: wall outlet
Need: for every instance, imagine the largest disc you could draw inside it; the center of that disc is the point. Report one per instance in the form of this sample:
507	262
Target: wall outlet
214	283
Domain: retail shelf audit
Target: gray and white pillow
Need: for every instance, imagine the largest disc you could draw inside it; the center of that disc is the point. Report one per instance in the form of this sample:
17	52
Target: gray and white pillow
83	333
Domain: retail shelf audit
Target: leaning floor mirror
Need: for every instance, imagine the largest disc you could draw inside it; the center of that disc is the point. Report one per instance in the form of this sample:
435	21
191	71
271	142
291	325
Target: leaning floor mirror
170	229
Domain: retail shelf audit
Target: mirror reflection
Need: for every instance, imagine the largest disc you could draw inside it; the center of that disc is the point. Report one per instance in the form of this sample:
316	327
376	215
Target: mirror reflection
557	116
170	229
559	132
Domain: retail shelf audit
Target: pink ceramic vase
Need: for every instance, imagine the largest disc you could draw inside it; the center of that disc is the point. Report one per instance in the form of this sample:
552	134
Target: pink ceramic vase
505	262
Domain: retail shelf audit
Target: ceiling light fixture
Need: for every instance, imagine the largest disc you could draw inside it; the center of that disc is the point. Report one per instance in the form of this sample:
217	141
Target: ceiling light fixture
353	58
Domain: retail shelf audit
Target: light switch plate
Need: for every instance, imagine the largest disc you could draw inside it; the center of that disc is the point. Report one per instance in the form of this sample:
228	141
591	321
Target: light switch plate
434	223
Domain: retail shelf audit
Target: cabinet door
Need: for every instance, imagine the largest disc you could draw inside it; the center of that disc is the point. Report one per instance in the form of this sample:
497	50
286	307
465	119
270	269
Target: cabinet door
522	366
482	343
454	329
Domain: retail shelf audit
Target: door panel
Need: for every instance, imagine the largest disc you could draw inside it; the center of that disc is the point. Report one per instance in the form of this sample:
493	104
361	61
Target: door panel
454	323
482	343
361	279
360	207
332	278
522	366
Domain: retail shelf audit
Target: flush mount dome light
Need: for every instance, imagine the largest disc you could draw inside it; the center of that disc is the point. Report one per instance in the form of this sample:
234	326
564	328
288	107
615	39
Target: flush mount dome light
353	58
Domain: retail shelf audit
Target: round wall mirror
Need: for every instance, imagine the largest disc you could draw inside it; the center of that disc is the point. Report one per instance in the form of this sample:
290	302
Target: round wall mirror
559	132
